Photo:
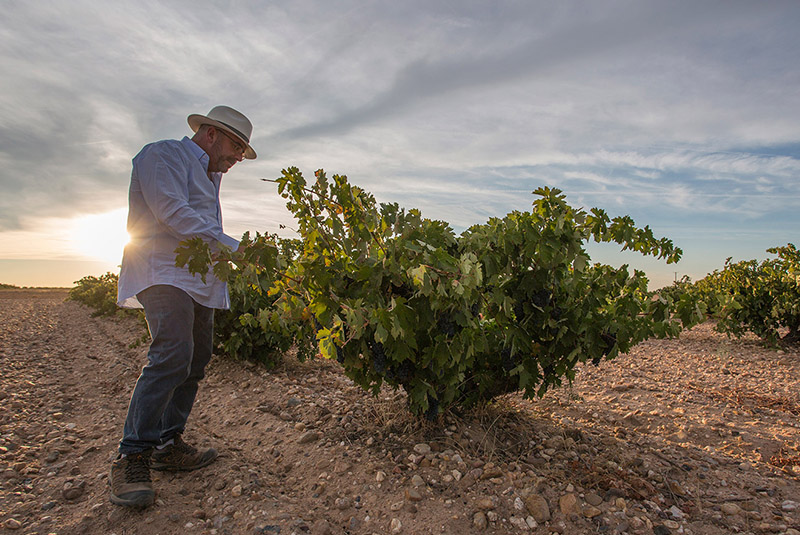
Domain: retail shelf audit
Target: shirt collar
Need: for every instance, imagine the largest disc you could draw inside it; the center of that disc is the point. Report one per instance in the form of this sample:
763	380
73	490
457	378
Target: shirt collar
197	150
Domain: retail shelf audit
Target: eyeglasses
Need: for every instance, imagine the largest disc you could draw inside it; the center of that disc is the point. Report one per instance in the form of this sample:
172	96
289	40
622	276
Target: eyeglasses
237	145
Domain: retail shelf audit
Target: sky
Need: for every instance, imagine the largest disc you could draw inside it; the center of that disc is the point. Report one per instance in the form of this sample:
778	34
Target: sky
684	115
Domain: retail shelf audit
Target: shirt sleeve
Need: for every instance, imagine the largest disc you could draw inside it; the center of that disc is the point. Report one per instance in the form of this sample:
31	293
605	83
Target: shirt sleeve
164	180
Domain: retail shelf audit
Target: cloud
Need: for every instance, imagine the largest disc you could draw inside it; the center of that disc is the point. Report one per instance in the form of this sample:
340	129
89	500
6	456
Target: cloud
678	113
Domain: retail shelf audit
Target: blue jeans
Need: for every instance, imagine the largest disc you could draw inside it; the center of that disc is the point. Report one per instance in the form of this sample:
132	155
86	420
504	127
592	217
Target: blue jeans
182	335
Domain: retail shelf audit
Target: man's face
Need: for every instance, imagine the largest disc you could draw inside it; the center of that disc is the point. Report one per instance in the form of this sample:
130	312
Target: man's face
226	151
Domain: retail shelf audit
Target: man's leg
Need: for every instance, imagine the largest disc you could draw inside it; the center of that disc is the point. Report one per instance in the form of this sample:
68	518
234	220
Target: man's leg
178	455
173	420
170	317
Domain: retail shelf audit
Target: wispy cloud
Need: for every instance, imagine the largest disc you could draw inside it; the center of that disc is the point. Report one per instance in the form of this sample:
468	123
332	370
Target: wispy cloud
674	112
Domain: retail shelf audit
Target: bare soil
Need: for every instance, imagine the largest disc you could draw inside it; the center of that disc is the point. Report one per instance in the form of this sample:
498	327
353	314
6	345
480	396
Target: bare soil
695	435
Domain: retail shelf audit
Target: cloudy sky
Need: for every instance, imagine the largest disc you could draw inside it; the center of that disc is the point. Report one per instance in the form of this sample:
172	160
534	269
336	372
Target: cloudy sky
684	115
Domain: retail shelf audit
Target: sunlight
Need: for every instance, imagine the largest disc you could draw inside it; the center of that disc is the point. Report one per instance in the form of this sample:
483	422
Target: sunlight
100	236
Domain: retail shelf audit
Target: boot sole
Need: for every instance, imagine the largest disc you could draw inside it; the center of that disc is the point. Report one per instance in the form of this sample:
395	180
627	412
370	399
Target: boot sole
138	500
165	467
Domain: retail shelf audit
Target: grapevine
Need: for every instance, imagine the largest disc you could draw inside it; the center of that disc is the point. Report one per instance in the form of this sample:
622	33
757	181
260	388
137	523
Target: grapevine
510	305
752	296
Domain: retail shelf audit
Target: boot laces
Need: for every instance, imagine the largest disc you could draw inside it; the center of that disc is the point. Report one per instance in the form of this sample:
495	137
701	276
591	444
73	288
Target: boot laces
137	469
183	447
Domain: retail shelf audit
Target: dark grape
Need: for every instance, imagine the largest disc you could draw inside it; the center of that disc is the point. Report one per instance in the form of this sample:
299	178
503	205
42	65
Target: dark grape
404	372
404	291
541	298
433	409
609	341
519	309
339	355
378	357
446	325
475	309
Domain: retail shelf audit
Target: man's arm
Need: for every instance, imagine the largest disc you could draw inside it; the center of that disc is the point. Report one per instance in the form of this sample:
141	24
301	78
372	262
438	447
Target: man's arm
164	181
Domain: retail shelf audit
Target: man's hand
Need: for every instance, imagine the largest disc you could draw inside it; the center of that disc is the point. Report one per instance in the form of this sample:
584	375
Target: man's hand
227	253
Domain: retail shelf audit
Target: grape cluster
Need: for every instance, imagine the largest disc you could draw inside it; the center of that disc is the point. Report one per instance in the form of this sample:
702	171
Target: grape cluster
402	373
541	298
378	357
433	409
507	359
475	308
404	291
609	340
519	309
446	325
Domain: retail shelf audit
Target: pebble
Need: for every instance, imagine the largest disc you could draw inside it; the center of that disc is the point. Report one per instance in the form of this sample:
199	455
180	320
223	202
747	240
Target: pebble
322	527
538	508
73	490
422	449
413	495
479	520
236	491
308	437
661	530
590	511
12	523
730	509
519	523
395	525
568	504
593	499
491	472
676	513
417	481
485	503
676	488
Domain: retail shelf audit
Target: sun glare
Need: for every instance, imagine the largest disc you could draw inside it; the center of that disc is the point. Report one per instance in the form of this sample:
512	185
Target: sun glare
101	236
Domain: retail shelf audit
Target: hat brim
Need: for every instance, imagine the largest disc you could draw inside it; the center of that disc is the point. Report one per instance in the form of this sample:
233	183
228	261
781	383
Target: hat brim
196	121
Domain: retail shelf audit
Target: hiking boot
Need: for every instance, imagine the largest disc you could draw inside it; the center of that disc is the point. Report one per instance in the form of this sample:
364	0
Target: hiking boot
131	485
180	456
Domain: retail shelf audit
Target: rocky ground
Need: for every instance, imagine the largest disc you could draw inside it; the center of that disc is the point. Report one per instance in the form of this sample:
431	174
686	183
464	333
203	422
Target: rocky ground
697	435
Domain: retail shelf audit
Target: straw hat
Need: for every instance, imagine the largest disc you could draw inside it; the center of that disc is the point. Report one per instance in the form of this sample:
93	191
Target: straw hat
229	120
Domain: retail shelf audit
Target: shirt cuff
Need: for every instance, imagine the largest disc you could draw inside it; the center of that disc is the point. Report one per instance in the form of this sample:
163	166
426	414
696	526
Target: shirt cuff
228	241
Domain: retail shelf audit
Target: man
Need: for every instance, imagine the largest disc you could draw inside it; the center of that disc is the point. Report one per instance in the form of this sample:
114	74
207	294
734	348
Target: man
174	195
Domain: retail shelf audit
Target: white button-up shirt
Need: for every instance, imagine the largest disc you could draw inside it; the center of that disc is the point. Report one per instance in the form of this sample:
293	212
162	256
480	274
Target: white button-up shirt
171	199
